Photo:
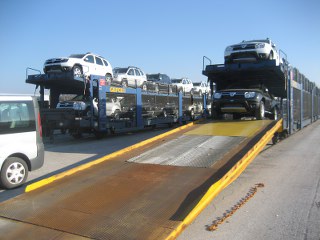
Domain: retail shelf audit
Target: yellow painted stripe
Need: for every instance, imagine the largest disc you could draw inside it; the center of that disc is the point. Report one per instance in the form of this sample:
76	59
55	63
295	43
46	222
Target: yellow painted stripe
234	128
51	179
228	178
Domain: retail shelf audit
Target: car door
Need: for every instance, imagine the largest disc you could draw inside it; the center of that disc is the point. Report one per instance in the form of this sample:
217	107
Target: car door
89	65
131	77
190	85
138	78
99	67
184	85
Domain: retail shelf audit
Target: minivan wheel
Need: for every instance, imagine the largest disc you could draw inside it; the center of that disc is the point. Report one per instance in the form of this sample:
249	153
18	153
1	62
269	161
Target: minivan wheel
14	173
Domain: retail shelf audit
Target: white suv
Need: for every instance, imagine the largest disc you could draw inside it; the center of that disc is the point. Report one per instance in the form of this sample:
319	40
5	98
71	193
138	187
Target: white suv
183	84
251	51
87	64
201	88
130	77
21	146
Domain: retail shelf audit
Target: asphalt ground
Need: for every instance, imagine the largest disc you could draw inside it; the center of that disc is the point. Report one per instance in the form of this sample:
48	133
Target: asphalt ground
286	208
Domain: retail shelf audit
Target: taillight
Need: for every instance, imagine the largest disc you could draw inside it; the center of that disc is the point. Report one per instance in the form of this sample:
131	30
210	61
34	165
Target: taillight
39	125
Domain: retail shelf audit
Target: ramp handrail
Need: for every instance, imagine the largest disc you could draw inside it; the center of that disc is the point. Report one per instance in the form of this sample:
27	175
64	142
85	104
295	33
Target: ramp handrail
27	71
203	59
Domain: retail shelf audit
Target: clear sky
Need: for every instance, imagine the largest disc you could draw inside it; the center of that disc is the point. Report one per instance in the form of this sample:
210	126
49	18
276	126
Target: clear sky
167	36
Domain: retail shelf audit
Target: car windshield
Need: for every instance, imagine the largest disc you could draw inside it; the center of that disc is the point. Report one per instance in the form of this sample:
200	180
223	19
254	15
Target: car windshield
153	77
263	41
176	80
120	70
196	84
77	55
79	98
244	85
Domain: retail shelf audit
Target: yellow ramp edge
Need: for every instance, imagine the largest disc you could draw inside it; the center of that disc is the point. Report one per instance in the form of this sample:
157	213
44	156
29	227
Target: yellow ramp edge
228	178
230	128
56	177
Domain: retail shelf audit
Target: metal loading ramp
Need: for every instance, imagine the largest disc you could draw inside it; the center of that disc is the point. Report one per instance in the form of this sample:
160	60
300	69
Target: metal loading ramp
129	197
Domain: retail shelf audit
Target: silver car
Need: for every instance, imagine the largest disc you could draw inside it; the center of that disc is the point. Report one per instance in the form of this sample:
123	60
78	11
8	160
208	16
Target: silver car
81	104
130	77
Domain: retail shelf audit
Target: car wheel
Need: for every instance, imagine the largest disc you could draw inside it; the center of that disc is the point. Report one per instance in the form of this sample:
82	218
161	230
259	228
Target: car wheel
215	114
164	113
275	114
87	112
236	116
124	83
144	87
76	134
77	71
156	89
260	112
271	55
117	114
192	114
108	78
275	138
14	173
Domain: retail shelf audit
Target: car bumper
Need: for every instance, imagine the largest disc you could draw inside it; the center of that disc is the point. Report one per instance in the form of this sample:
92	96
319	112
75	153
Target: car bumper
229	106
243	56
56	68
38	161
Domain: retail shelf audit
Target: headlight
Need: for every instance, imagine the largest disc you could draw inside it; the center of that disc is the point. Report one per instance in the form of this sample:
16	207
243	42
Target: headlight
64	59
79	106
217	95
229	49
260	45
249	94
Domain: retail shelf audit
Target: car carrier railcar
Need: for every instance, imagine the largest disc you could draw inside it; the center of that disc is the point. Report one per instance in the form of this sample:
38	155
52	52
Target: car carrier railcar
140	108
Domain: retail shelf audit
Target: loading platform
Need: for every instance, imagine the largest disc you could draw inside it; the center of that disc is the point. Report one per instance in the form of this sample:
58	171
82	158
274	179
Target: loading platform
151	192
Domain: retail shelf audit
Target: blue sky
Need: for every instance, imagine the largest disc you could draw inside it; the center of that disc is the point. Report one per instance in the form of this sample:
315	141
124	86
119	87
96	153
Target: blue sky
157	36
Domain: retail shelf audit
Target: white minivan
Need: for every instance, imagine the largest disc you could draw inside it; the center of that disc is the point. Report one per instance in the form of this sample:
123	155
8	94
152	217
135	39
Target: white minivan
21	145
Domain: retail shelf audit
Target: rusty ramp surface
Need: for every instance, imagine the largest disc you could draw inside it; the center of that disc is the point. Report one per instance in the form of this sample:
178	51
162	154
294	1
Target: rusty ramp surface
116	199
134	201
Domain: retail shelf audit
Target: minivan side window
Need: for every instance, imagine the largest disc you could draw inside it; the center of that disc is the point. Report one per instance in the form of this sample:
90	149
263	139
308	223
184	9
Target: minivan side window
16	117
